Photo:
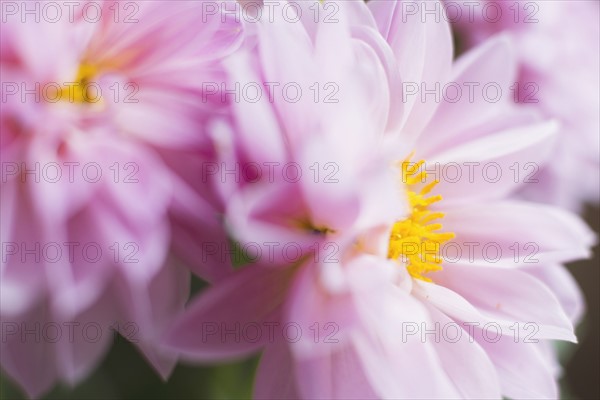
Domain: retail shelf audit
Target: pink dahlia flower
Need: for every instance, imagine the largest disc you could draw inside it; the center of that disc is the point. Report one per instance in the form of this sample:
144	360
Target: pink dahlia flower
556	45
353	324
96	102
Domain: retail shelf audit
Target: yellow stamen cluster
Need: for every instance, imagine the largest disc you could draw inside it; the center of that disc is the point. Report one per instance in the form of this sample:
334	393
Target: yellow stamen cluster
416	240
78	92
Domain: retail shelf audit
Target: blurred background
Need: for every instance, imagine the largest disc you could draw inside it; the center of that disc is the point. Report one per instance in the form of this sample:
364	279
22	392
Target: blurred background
583	360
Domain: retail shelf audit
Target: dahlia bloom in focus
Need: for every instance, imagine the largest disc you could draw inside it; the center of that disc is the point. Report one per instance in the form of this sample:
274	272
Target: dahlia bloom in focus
559	70
94	112
350	310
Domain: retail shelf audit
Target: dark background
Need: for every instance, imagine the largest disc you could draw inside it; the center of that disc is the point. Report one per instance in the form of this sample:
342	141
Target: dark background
582	369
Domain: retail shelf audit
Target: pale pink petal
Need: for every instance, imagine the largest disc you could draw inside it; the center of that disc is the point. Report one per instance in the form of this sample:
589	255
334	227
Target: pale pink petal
167	294
507	296
423	49
252	130
394	361
84	340
523	371
475	376
249	298
411	370
564	286
25	355
493	166
273	224
275	378
374	40
338	375
545	234
491	64
40	57
203	246
326	316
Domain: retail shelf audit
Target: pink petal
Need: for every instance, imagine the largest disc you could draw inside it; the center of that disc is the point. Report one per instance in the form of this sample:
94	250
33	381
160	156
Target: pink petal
325	318
523	234
251	296
523	371
423	50
167	294
92	336
264	130
338	375
28	359
492	166
275	377
474	376
492	62
507	296
564	286
399	365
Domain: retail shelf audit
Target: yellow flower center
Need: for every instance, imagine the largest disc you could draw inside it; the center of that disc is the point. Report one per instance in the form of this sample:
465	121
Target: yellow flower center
80	91
416	240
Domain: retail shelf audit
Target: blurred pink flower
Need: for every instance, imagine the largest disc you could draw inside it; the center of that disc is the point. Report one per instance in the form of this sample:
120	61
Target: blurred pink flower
94	113
349	313
559	74
308	157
